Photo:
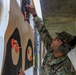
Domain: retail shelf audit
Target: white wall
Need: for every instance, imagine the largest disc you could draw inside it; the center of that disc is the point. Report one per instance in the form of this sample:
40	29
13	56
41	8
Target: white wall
72	56
0	8
4	17
1	51
38	8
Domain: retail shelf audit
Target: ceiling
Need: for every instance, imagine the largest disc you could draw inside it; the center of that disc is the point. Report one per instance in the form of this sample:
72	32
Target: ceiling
59	15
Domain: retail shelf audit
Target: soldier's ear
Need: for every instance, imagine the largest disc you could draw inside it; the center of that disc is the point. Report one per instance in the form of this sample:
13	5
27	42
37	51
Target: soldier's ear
65	48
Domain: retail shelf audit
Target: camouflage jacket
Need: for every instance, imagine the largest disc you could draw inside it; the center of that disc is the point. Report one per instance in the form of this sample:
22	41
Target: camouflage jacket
52	65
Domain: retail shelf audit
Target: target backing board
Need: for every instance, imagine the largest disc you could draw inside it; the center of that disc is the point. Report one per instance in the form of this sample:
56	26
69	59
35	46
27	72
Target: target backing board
16	37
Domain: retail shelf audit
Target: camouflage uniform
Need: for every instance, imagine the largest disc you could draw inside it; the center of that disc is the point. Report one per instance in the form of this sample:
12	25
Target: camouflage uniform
52	65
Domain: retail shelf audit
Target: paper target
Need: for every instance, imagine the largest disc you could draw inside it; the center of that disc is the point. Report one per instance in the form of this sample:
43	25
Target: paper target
13	59
29	55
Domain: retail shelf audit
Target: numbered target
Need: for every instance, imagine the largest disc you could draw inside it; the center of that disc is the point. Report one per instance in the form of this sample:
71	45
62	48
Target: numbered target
13	58
29	55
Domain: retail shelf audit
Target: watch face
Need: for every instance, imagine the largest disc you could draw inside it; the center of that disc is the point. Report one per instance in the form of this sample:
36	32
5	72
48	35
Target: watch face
13	58
29	55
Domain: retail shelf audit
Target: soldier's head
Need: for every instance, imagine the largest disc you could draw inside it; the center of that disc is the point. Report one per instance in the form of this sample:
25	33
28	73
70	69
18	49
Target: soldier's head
62	42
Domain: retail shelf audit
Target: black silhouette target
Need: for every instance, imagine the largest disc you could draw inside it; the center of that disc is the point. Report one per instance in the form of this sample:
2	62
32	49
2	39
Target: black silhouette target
12	67
29	55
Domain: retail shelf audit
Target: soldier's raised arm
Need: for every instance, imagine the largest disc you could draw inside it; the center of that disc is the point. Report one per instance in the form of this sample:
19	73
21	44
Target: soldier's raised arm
39	24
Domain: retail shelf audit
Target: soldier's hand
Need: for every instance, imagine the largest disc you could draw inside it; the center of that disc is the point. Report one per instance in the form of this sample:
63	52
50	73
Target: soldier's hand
21	72
31	9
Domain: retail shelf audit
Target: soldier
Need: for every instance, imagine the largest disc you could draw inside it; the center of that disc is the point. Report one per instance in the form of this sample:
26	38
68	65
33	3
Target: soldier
56	61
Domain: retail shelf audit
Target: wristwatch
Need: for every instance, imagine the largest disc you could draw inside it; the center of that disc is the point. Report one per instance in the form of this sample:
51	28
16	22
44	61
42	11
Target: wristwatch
34	15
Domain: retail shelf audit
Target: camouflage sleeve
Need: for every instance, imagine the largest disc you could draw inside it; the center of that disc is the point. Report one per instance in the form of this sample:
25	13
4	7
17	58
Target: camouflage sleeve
46	71
47	39
69	73
50	71
67	70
